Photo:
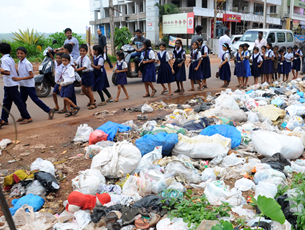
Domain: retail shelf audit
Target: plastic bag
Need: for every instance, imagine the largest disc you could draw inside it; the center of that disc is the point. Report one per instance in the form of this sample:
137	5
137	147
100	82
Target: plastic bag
202	146
35	188
177	186
223	121
251	104
43	165
265	189
148	159
271	176
294	122
277	102
173	224
236	115
88	181
83	133
4	143
271	112
144	184
184	170
131	124
268	143
225	131
111	128
92	150
97	136
130	188
148	142
226	101
118	160
36	202
178	117
82	218
197	124
232	160
244	184
47	180
146	108
208	174
253	117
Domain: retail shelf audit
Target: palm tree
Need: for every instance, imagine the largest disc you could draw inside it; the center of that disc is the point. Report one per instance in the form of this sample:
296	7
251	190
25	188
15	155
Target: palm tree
27	37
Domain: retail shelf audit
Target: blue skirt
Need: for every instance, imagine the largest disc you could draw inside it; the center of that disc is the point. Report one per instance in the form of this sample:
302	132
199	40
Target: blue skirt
149	73
270	66
239	70
100	81
225	72
180	73
280	68
165	74
121	78
206	68
195	75
264	67
88	79
246	63
68	91
56	89
296	64
256	72
287	67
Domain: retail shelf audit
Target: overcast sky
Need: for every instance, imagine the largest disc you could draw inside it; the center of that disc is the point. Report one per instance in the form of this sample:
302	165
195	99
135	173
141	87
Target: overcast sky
47	16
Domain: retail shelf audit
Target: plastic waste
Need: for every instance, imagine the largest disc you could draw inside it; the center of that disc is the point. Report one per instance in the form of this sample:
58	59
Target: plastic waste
88	181
244	184
226	101
265	189
148	159
251	103
177	186
178	117
248	214
4	143
196	124
183	169
295	110
232	160
172	193
146	109
148	126
271	112
174	224
47	180
294	207
208	174
82	218
277	102
294	122
36	202
43	165
92	150
131	124
35	188
83	133
253	117
271	176
97	136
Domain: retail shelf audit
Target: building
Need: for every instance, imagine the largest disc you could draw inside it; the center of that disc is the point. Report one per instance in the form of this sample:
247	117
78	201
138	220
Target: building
238	15
294	18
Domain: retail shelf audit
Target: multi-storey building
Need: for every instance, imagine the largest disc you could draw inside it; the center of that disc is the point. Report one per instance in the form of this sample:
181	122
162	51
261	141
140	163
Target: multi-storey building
294	18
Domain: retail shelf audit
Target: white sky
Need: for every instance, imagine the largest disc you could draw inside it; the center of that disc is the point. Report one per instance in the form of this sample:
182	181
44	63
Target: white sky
46	16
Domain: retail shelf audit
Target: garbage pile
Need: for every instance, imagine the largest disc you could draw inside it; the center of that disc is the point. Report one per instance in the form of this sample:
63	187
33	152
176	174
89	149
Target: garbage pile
234	159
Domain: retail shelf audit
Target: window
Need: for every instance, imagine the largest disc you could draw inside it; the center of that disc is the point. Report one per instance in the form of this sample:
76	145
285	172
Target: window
271	38
289	37
177	3
280	37
272	9
251	36
204	4
191	3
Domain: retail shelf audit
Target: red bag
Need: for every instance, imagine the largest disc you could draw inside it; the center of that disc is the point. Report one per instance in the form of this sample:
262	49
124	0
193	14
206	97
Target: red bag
96	136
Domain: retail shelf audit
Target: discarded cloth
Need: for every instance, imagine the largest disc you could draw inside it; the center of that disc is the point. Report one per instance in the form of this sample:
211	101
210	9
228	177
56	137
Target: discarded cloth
109	188
32	200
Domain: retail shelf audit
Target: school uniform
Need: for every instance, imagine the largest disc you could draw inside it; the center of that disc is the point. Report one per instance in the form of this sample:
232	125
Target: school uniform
195	57
11	93
87	73
239	70
246	63
287	63
225	71
58	72
149	70
296	64
205	63
165	74
256	60
280	65
264	67
180	73
67	85
121	78
27	87
269	63
77	76
100	76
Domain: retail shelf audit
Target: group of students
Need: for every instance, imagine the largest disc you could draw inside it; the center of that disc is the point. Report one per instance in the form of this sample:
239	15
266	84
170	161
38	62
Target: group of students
270	64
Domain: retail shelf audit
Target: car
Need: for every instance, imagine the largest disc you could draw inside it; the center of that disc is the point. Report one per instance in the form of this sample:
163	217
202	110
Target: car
235	38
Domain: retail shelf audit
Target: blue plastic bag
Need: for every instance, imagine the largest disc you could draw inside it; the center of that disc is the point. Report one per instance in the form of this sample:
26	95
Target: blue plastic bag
111	129
32	200
301	94
148	142
225	131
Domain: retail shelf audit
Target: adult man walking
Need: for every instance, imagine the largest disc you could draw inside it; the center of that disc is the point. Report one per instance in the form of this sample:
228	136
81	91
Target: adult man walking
195	37
260	41
224	39
102	43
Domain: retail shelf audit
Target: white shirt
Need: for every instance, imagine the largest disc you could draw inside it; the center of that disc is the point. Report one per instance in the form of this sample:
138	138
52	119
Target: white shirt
124	66
68	74
288	56
58	71
299	52
269	53
75	50
8	64
161	55
259	59
72	60
246	54
85	62
223	39
24	67
151	55
205	50
178	51
227	55
260	43
198	54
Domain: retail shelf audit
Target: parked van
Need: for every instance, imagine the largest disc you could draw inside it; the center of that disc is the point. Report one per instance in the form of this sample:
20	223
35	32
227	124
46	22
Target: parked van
278	37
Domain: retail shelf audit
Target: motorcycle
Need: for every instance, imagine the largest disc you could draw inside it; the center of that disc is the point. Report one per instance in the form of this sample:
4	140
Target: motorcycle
127	50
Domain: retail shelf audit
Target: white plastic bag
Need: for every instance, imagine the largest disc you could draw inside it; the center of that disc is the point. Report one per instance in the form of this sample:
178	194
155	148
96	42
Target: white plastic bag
146	108
294	122
253	117
87	181
244	184
130	188
148	159
208	174
82	218
232	160
271	176
83	133
265	189
174	224
183	169
43	165
4	143
295	110
35	188
268	143
226	101
118	160
202	146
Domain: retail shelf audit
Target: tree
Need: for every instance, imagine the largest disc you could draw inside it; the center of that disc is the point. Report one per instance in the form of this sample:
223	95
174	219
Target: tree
27	37
166	9
122	36
60	37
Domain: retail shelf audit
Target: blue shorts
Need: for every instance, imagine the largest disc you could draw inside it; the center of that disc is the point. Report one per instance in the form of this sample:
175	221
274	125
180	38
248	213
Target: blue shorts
88	79
56	89
67	91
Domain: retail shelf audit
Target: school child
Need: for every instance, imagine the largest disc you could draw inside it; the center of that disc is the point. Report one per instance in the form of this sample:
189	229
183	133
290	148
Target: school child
264	67
205	63
165	74
269	57
101	82
224	68
84	64
11	93
296	64
179	66
246	63
67	86
287	64
195	73
121	77
239	70
280	68
149	70
27	83
275	62
68	50
257	62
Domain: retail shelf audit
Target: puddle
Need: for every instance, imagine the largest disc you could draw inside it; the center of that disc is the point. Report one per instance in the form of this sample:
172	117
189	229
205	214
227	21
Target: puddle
182	99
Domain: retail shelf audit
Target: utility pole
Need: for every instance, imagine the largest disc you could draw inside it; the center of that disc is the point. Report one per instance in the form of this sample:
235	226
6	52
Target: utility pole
291	13
111	14
265	14
215	17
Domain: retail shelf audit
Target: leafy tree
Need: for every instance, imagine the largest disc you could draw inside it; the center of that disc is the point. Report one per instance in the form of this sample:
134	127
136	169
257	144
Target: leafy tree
27	37
60	37
166	9
122	36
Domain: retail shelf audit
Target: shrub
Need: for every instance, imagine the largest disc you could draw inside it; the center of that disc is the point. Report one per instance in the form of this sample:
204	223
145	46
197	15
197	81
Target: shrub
60	37
27	37
122	36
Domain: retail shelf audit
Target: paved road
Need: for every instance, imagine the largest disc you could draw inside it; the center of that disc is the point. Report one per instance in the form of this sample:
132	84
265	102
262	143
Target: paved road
135	89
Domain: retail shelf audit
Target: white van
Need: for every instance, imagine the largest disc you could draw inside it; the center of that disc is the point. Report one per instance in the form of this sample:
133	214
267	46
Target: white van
278	37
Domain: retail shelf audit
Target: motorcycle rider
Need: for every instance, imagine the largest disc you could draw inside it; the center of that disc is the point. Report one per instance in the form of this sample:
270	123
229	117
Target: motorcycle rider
138	42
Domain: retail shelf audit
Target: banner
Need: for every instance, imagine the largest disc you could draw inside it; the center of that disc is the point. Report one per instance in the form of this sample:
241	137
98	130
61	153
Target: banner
178	23
172	41
231	18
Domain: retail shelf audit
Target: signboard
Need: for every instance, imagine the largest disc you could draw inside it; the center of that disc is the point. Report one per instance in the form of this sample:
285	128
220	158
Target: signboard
149	26
172	41
300	37
178	23
297	3
231	18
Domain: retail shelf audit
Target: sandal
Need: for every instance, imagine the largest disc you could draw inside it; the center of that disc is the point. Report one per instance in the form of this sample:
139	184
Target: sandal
217	75
76	110
102	103
51	114
26	121
109	100
224	86
153	93
147	95
191	90
92	106
20	119
4	122
69	114
164	91
177	91
55	110
89	103
1	123
181	92
62	111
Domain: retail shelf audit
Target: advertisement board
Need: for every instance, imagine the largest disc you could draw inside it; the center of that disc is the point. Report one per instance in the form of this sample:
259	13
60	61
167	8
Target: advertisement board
231	18
172	41
178	23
